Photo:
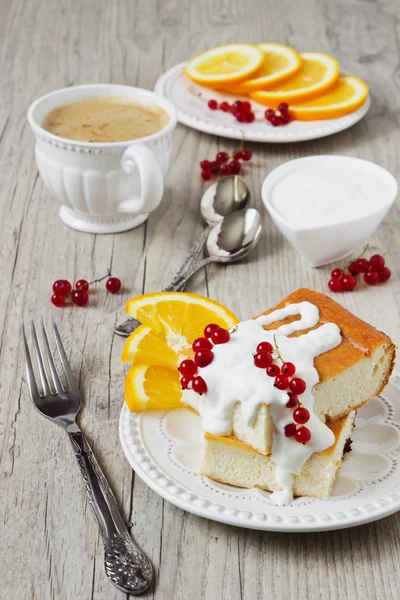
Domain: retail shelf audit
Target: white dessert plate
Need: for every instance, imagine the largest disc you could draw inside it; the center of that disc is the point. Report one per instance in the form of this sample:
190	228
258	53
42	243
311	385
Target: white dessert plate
164	449
191	100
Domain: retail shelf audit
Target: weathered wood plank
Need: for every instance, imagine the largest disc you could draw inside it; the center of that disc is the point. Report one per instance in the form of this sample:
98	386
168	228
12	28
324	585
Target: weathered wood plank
49	542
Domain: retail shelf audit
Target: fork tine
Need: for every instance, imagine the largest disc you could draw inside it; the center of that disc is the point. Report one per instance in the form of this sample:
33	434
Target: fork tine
64	359
39	357
29	369
53	369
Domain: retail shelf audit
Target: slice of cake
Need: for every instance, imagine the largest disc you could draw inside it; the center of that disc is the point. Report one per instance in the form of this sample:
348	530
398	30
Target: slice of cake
349	373
228	460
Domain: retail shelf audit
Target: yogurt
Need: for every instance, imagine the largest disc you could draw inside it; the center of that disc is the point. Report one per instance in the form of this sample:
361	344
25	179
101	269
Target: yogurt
325	196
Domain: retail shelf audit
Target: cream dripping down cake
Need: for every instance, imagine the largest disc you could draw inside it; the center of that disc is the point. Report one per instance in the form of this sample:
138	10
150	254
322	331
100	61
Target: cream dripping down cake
344	363
277	394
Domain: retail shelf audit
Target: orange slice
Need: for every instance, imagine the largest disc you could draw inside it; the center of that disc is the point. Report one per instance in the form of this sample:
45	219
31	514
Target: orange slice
224	64
146	347
179	317
348	94
317	75
280	63
150	387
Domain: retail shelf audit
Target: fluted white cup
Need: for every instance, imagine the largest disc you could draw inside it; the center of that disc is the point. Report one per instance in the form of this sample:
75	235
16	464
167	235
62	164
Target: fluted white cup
103	187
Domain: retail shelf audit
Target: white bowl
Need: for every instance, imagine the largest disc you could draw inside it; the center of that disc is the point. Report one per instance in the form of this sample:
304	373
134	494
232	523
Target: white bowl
320	245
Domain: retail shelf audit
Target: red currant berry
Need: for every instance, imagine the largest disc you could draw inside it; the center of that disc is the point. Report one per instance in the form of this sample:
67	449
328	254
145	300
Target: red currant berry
199	385
205	164
281	382
285	119
82	284
225	170
222	157
384	274
337	273
290	430
297	386
186	382
349	282
113	285
237	105
210	329
301	415
265	347
214	167
283	108
371	277
187	367
213	104
376	262
288	369
335	285
224	106
235	167
206	175
220	336
241	116
361	264
201	342
353	268
293	400
250	117
80	297
276	121
246	105
246	154
273	370
62	286
58	299
237	155
203	357
302	435
269	113
262	359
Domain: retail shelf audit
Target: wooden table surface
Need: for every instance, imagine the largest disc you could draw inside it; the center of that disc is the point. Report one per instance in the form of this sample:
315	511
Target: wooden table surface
49	542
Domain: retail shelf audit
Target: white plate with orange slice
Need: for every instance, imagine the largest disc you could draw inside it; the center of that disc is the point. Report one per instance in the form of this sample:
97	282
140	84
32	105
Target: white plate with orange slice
321	100
163	441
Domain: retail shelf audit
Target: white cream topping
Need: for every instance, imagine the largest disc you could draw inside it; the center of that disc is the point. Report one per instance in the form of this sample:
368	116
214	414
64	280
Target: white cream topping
232	377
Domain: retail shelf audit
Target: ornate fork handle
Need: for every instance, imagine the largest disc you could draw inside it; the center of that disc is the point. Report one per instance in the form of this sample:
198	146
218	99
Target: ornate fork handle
126	565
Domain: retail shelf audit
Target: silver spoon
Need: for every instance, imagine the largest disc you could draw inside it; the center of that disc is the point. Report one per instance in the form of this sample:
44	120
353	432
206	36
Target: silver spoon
228	241
225	196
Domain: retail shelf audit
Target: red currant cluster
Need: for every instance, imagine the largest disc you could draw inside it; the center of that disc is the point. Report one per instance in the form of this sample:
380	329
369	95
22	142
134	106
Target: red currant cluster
221	166
203	356
278	117
240	109
284	380
373	270
80	294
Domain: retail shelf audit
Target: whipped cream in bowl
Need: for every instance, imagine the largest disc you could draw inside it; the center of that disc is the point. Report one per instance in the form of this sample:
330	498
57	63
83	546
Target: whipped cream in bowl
327	206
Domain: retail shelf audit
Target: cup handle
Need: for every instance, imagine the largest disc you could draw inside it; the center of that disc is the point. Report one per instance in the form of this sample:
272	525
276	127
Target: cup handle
151	179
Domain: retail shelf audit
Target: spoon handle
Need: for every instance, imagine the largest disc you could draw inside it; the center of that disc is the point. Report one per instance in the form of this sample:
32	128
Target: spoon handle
192	257
176	285
180	283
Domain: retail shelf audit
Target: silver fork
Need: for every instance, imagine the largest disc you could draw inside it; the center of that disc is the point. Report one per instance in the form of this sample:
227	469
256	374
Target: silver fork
127	567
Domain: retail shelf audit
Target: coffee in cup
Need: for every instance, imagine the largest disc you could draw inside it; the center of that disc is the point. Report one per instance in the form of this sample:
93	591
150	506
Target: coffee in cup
105	119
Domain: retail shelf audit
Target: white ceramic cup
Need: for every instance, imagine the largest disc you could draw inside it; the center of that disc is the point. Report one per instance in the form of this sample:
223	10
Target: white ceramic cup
323	244
103	187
